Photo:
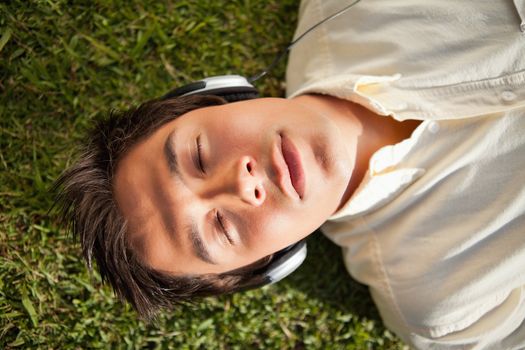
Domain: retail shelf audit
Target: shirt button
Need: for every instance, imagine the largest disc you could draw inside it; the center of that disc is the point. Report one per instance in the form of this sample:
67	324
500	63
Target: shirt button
433	127
508	96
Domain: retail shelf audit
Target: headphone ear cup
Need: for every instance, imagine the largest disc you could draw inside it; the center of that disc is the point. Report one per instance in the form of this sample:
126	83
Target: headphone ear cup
282	264
230	87
239	96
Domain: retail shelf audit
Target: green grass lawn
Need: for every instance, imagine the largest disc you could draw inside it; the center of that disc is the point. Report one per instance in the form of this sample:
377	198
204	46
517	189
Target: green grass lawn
63	63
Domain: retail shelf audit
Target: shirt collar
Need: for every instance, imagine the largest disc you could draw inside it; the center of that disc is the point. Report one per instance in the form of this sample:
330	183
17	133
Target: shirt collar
386	178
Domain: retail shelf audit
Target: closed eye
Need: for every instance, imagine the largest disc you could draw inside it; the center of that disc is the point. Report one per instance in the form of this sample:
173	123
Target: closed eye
221	223
200	162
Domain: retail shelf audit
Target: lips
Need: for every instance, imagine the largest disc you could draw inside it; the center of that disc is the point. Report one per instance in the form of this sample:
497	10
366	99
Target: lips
292	158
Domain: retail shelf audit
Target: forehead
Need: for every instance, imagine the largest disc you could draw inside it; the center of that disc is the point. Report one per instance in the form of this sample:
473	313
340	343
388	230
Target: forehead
136	187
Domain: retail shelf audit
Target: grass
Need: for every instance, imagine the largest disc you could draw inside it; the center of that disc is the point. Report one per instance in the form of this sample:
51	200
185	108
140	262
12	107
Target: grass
63	63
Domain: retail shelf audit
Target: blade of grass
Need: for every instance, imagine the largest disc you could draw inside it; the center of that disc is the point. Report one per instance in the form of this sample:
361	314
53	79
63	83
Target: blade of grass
101	47
28	306
5	38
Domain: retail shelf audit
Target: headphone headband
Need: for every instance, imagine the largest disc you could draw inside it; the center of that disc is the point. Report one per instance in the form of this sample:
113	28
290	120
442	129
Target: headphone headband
221	85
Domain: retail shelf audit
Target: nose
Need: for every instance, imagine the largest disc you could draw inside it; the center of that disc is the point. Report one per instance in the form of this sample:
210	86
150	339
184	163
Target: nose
245	180
241	179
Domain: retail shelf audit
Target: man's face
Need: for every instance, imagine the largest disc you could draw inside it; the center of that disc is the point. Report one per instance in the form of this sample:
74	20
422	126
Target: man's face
221	187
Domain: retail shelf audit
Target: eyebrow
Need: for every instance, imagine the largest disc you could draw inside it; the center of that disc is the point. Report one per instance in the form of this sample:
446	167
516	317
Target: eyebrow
198	245
171	155
193	232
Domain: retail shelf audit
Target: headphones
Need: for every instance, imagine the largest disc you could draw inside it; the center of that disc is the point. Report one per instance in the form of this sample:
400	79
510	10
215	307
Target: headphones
237	88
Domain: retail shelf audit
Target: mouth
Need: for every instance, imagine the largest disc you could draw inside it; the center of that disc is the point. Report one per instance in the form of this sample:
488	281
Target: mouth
295	169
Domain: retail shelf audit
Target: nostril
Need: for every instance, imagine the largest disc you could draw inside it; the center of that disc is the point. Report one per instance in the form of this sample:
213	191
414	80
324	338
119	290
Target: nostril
249	167
258	195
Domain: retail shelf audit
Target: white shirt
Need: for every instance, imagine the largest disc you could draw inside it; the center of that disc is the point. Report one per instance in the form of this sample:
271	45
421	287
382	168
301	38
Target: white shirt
437	227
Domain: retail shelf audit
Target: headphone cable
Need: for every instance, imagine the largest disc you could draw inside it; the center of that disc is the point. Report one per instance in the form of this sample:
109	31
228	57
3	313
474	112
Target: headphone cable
279	56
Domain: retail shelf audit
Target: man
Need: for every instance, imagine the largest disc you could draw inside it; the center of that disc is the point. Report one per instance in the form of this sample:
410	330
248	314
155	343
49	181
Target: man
403	128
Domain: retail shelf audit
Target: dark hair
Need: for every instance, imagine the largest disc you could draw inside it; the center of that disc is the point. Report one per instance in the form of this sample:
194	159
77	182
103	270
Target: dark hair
86	206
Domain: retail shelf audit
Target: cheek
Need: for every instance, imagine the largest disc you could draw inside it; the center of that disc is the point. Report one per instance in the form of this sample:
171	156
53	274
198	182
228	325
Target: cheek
270	233
237	131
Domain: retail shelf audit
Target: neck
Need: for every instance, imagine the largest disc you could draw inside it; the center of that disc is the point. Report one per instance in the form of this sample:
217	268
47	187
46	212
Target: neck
366	132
